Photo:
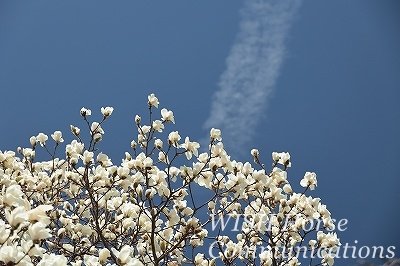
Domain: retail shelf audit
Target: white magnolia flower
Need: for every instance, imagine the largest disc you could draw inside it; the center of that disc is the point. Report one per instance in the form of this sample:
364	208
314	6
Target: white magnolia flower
42	139
173	217
190	147
173	138
147	162
158	144
107	111
85	112
28	153
266	257
10	254
158	125
104	254
309	179
33	250
328	258
103	160
75	130
133	144
39	231
199	259
312	243
13	196
255	152
329	240
33	141
57	136
16	216
288	189
144	129
74	149
123	255
153	101
4	231
87	157
96	128
275	156
53	259
167	116
38	214
284	159
215	134
203	157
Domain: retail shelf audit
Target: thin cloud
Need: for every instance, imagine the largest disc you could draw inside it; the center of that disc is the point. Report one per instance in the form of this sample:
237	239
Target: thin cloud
252	69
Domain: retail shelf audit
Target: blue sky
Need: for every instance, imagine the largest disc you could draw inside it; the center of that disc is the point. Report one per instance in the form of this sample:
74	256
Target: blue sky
330	97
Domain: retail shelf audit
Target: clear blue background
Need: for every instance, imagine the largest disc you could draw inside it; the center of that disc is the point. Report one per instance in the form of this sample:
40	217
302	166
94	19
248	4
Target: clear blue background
335	106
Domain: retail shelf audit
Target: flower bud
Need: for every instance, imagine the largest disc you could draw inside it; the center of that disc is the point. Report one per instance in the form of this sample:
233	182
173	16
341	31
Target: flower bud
137	119
32	140
75	130
85	112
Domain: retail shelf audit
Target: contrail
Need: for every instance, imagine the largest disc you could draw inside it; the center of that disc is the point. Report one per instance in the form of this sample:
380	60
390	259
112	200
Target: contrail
252	68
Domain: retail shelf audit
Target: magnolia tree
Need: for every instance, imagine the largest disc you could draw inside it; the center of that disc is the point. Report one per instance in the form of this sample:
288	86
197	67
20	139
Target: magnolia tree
165	204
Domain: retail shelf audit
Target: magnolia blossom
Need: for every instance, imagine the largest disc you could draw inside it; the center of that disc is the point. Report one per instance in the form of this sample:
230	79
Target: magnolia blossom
190	147
309	180
53	259
13	196
215	134
57	136
38	214
85	112
104	254
158	144
167	116
42	139
96	128
255	152
91	260
133	144
266	257
284	159
153	101
123	255
173	138
103	160
275	156
158	125
328	258
16	216
4	231
328	240
33	141
107	111
39	231
10	254
288	189
199	259
75	130
87	157
143	130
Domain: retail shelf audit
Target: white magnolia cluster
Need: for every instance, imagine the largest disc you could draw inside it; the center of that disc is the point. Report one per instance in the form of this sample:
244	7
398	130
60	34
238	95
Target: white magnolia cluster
85	210
23	227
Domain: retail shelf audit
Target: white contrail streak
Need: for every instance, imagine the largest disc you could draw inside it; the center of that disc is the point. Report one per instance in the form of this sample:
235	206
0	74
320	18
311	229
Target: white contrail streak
253	66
